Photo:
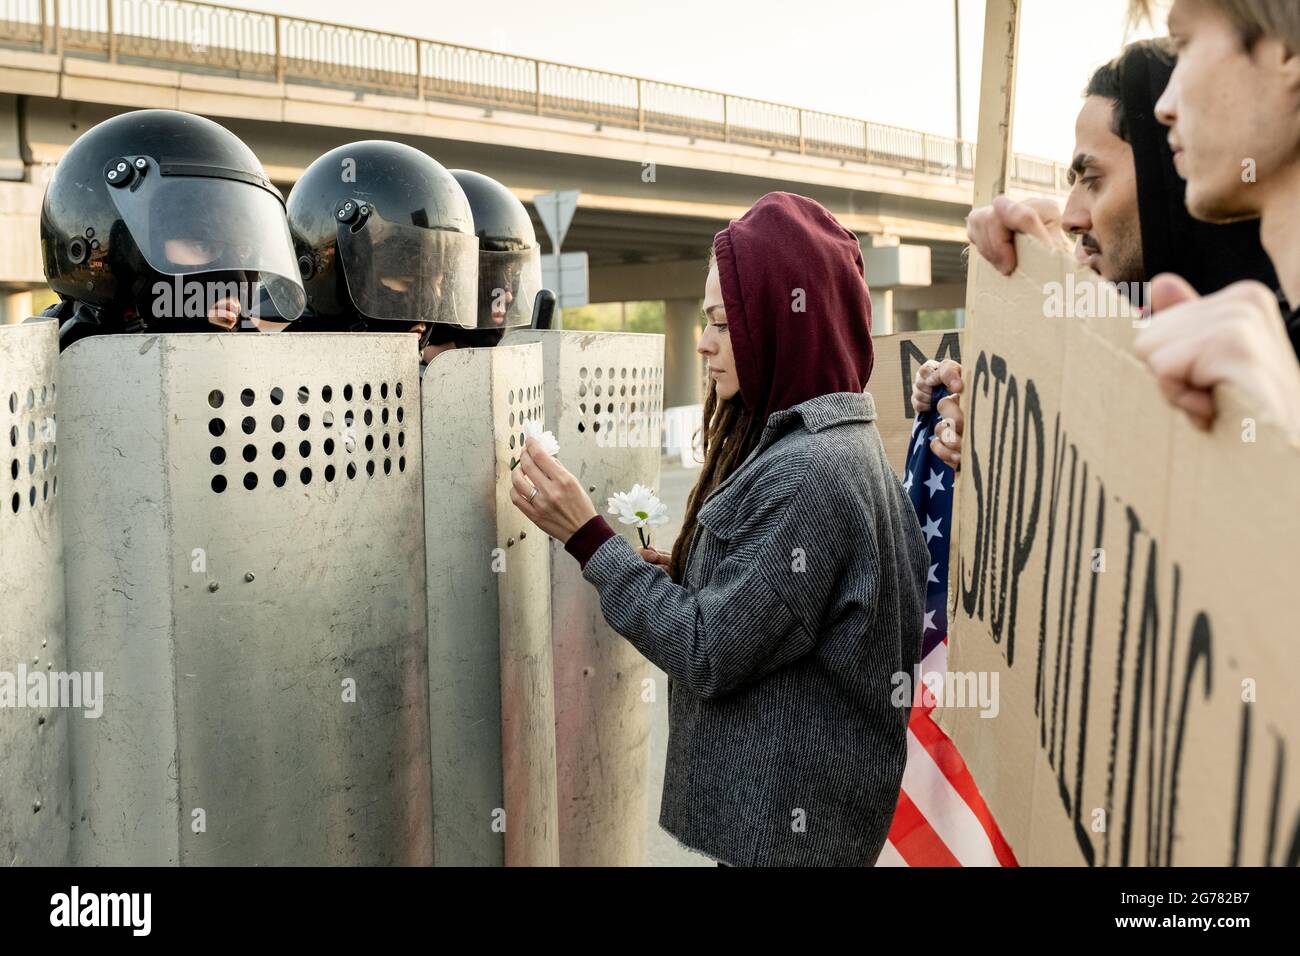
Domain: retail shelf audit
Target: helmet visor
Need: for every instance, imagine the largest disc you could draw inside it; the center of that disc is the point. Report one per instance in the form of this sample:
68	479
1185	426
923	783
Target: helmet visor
404	273
191	225
508	283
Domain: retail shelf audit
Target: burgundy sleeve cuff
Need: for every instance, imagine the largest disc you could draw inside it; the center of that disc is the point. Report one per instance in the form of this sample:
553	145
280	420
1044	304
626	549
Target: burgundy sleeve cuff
584	542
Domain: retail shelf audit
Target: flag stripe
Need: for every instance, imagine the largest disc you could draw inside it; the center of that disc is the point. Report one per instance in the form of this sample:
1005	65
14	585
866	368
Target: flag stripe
941	819
915	840
945	809
947	760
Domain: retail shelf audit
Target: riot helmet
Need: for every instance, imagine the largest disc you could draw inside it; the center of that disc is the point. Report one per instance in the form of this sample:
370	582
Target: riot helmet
510	261
153	215
385	240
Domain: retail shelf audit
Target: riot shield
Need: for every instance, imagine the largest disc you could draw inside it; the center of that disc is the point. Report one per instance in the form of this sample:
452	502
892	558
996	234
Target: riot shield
491	703
245	565
36	705
604	403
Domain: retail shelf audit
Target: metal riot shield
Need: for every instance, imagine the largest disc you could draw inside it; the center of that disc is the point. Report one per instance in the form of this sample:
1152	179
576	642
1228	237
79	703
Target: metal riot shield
491	702
36	705
604	403
245	564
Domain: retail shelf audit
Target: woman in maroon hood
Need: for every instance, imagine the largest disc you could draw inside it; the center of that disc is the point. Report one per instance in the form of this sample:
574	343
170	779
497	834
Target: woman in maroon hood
794	596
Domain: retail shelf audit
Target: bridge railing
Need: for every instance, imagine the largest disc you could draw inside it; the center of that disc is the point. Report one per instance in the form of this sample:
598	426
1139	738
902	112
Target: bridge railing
206	38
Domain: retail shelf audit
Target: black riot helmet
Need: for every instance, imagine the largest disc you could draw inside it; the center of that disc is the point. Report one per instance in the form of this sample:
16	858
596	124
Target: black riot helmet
510	262
152	212
385	239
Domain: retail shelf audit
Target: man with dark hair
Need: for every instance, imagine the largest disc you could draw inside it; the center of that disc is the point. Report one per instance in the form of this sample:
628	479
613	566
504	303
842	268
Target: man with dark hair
1232	108
1126	212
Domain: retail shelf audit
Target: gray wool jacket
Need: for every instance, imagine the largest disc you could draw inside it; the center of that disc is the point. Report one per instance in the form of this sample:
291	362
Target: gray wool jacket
803	595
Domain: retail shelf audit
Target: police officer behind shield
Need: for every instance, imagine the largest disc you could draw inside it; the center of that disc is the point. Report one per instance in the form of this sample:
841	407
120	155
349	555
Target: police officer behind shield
509	266
163	221
385	243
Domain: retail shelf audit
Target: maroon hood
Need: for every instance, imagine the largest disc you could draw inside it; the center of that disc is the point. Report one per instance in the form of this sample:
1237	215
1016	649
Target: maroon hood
783	356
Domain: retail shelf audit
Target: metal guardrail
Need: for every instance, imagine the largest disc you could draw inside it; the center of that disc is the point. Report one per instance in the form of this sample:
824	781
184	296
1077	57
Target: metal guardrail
246	43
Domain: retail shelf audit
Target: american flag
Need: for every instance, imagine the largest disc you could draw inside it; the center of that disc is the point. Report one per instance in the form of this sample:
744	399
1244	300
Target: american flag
941	819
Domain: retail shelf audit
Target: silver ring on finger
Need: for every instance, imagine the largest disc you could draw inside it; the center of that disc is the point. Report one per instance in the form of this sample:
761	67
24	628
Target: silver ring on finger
533	495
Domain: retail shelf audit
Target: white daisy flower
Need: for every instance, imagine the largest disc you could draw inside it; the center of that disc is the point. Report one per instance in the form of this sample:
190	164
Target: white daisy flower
533	429
639	507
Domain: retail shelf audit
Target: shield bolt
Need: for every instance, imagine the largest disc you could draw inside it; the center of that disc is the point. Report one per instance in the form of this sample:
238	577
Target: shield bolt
249	576
213	585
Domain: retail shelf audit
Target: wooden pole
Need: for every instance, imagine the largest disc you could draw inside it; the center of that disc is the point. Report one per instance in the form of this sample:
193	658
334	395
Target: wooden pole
997	98
992	159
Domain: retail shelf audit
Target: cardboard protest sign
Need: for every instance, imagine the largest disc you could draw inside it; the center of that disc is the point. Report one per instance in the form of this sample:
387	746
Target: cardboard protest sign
1129	580
897	358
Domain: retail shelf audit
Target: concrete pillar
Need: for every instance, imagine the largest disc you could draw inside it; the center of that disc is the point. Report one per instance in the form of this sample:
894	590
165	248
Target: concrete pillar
17	307
882	311
683	366
906	320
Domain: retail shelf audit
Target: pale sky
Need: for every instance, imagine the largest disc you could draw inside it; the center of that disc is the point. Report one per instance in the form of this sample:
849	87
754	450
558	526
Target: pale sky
890	61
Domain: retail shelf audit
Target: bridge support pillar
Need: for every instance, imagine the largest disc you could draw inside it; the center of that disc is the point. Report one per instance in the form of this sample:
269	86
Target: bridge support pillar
15	307
906	320
683	366
882	312
11	152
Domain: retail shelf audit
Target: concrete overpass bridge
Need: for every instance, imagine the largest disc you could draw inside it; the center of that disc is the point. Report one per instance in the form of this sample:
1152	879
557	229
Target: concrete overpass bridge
661	167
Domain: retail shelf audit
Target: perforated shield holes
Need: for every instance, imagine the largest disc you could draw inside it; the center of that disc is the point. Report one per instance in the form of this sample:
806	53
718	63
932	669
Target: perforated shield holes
33	453
330	440
621	405
523	404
